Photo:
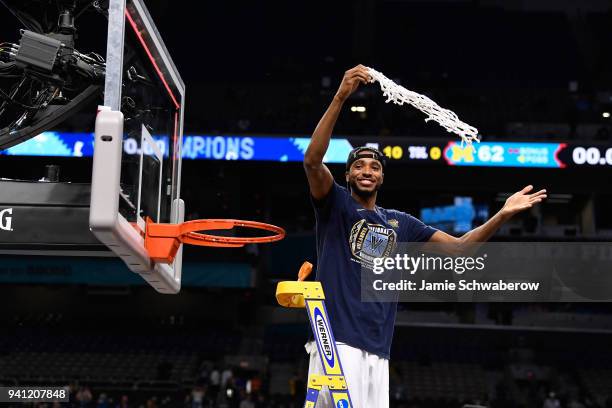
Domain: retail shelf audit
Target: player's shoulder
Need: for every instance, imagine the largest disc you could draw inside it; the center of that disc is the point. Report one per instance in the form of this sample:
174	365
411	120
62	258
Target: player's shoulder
393	214
339	191
340	188
335	199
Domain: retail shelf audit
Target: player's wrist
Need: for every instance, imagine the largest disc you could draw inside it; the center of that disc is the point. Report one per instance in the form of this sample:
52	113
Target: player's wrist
505	214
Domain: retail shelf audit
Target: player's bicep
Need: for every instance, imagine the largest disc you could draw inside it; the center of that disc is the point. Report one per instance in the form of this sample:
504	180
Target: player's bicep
320	180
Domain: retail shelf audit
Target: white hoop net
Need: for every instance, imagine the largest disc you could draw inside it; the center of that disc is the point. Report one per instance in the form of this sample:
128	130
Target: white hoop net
446	118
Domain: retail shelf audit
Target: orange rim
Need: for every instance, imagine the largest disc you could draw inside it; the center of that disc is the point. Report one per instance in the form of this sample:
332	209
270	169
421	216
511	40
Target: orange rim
195	238
162	241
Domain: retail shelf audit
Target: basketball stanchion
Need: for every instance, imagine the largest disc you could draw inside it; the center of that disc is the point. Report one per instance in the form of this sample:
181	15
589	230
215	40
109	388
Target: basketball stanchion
163	241
309	295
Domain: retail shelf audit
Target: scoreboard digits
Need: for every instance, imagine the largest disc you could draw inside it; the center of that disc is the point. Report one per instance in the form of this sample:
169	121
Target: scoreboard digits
592	156
501	154
394	152
411	151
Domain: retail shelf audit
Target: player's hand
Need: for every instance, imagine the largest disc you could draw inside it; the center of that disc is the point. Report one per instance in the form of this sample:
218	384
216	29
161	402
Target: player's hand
522	200
351	81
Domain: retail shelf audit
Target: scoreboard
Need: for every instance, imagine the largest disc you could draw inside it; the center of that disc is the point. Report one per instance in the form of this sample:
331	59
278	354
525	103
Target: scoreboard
500	154
412	151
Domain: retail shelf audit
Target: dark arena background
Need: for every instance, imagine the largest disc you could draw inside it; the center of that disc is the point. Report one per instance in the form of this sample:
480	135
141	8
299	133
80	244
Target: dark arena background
260	74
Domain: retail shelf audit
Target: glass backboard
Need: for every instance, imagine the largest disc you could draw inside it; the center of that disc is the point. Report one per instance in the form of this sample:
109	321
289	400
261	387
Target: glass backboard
143	84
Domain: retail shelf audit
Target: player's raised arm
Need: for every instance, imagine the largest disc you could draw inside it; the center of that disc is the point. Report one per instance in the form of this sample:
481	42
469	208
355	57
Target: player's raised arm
319	177
519	201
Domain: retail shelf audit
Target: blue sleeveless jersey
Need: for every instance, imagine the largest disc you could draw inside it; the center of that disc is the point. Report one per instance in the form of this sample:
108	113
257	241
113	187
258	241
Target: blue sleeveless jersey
349	236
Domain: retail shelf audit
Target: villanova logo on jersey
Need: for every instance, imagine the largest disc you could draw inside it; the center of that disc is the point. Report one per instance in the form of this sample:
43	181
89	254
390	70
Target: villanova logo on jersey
369	241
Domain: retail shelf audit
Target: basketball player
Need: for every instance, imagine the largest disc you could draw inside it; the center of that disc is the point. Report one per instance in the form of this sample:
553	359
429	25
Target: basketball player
364	330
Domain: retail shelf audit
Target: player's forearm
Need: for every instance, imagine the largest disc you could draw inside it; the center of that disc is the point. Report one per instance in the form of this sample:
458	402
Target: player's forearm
484	232
322	133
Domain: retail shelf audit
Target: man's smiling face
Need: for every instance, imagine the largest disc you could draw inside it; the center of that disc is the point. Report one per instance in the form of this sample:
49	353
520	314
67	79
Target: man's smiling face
365	176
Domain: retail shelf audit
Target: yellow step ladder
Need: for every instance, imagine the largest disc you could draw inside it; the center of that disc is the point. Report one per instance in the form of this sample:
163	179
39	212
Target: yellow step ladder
309	295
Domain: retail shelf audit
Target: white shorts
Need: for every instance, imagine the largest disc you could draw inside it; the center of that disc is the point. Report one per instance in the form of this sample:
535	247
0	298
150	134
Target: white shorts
366	374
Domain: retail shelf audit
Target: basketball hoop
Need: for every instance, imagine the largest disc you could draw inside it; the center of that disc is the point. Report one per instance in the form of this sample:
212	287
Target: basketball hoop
162	241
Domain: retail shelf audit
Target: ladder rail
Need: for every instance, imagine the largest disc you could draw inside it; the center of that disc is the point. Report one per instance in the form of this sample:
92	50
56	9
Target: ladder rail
310	295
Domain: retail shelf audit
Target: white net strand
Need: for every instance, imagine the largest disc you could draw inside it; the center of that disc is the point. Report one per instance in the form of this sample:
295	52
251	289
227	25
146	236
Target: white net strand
445	117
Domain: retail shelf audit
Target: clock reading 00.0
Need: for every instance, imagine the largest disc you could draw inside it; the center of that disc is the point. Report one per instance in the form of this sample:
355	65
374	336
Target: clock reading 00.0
592	156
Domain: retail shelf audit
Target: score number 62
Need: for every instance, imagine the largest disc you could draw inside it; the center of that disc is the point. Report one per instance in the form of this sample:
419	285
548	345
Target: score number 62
493	153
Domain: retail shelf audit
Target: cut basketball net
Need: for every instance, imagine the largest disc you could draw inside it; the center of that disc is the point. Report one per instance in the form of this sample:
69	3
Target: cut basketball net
162	241
446	118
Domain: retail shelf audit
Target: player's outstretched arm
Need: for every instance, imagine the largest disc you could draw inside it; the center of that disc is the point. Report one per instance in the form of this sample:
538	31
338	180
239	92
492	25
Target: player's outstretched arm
319	177
516	203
